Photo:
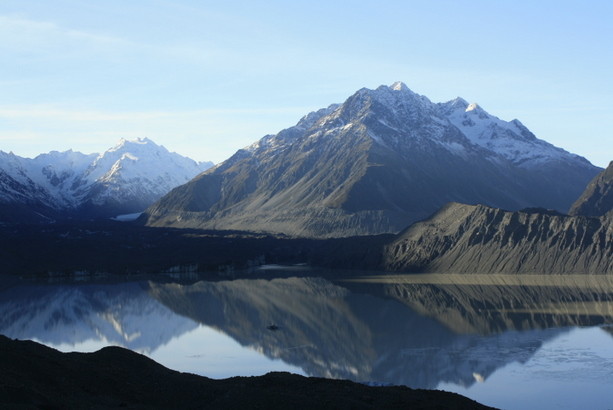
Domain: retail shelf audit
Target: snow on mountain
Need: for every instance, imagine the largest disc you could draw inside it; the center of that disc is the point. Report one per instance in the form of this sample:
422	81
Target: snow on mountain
17	182
57	171
126	178
135	170
509	139
376	163
288	136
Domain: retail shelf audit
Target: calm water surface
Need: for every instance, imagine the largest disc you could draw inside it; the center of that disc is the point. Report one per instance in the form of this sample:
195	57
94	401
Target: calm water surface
513	342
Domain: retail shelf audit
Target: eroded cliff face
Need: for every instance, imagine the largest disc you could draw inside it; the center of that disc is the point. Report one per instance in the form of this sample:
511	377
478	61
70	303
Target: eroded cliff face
478	239
597	199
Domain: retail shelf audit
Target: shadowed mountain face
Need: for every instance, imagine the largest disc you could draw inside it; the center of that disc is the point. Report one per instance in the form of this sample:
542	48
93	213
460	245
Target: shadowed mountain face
380	161
597	199
469	239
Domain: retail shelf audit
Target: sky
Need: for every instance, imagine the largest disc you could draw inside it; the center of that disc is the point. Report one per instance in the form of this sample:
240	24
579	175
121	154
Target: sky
206	78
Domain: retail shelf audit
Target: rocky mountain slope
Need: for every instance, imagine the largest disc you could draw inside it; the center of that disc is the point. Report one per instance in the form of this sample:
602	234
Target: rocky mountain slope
597	199
126	178
478	239
376	163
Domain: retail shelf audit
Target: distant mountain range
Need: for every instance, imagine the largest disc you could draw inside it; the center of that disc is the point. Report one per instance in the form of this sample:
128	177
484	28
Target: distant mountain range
377	163
125	179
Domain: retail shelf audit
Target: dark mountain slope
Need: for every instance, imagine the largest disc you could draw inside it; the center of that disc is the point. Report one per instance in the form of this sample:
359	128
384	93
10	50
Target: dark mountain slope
478	239
597	199
380	161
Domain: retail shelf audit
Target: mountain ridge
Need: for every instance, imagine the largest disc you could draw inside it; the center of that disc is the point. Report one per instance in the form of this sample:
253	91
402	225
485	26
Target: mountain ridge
464	238
597	199
124	179
380	161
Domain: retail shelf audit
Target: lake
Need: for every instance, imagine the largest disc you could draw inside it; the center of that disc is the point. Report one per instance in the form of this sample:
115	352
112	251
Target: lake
508	341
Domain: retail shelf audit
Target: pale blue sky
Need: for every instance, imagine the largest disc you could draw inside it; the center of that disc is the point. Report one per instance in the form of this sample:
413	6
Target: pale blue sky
205	78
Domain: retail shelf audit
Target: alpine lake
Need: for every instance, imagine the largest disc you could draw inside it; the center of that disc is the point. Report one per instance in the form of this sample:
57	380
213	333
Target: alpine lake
508	341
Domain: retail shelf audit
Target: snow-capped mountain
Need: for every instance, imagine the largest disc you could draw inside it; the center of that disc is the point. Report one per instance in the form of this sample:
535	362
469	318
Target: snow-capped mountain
126	178
376	163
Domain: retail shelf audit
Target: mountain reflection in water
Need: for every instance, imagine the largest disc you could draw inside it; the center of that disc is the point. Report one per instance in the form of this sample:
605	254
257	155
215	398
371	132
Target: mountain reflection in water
417	330
120	314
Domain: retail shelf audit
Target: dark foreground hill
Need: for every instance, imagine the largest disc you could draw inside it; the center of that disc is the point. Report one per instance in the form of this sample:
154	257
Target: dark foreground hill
376	163
35	376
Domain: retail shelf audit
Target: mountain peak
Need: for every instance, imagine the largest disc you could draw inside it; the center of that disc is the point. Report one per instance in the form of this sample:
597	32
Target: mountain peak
459	102
137	146
456	105
399	86
473	107
136	141
476	109
381	160
124	179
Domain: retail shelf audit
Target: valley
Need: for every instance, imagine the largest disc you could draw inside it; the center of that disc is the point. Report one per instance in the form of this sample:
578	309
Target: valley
386	240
